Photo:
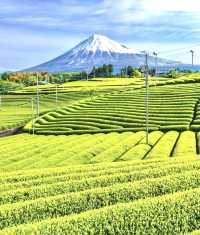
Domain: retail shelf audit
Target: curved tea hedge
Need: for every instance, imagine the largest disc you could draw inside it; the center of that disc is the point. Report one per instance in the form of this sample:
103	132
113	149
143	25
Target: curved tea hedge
126	103
170	108
16	109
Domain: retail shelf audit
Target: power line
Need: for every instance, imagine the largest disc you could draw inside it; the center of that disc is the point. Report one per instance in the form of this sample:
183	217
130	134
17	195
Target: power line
179	49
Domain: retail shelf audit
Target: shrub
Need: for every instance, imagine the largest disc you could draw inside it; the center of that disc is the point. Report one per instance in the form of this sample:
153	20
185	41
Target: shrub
186	144
164	147
95	198
100	181
171	214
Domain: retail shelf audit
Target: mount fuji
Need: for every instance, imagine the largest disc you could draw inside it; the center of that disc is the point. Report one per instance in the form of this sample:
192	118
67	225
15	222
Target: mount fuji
96	51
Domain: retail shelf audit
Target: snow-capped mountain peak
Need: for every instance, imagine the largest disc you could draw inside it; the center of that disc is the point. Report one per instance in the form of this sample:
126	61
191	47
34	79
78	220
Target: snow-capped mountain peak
96	51
102	43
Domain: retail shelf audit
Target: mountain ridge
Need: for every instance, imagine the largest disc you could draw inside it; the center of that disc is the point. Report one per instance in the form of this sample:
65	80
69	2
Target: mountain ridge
96	51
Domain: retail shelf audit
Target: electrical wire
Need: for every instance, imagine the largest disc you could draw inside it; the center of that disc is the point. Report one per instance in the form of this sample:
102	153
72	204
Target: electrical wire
178	51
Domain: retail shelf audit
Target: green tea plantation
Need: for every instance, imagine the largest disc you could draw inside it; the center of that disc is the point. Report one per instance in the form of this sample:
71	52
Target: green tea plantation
84	166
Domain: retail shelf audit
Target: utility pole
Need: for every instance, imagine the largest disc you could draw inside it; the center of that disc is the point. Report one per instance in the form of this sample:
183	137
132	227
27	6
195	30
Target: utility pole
56	95
37	93
48	82
1	98
192	53
147	97
94	72
156	63
33	115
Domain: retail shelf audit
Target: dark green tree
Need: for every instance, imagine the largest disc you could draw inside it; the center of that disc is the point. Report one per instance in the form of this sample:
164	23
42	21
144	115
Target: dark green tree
110	69
5	76
130	71
173	73
84	75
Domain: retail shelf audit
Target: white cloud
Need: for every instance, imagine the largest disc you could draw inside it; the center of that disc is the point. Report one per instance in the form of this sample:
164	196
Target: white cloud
171	5
155	5
138	10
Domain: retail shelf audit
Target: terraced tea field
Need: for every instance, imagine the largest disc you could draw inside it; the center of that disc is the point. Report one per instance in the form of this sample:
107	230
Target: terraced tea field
171	107
96	84
109	83
92	172
16	109
57	151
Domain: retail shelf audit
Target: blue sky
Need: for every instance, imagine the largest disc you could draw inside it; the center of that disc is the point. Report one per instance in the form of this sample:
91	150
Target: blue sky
34	31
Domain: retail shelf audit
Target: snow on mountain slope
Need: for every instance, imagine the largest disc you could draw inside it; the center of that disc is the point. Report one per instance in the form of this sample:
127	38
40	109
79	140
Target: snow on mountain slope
101	43
96	51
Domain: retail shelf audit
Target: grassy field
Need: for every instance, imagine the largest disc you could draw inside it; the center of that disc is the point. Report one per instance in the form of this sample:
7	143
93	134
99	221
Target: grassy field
93	172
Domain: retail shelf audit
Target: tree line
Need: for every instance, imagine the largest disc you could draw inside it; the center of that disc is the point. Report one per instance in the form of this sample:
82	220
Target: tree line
30	78
129	71
106	70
